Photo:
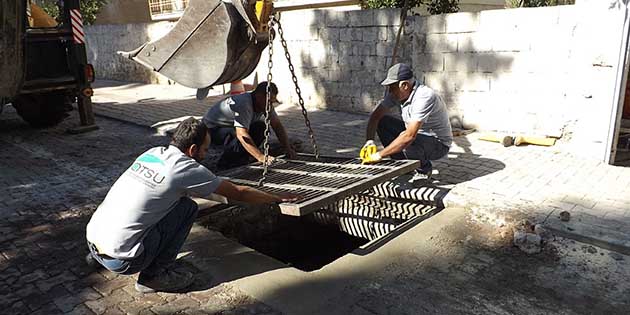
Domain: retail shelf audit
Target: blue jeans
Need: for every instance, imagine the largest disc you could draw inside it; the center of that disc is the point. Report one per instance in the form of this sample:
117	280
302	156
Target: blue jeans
234	154
161	244
424	148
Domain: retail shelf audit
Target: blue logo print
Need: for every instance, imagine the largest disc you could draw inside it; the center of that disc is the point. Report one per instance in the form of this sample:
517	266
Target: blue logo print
150	158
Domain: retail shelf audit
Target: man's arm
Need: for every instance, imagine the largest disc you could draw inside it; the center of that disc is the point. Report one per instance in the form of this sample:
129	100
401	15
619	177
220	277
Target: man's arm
375	117
251	195
282	136
248	143
403	140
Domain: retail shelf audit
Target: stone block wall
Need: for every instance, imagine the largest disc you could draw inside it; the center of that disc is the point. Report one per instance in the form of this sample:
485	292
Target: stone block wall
104	40
543	71
528	70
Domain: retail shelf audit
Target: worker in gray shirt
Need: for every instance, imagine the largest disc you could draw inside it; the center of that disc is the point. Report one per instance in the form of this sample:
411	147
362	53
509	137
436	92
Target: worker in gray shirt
147	214
425	131
237	123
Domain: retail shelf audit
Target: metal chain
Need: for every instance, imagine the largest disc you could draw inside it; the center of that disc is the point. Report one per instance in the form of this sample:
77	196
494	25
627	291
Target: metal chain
272	21
297	90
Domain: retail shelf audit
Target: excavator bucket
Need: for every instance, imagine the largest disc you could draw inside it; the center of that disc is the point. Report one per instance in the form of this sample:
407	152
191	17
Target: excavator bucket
214	42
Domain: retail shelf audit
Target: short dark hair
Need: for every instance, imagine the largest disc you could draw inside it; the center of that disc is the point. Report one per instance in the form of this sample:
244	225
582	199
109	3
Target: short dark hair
262	88
190	131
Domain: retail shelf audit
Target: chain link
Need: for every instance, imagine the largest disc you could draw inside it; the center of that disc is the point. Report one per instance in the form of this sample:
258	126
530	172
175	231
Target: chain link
272	21
297	90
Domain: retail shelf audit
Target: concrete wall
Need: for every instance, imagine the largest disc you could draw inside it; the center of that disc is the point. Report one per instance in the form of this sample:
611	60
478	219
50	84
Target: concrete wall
123	12
103	41
545	71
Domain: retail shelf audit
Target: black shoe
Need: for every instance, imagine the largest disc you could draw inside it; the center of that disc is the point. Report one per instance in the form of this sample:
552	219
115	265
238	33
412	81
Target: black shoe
169	280
419	175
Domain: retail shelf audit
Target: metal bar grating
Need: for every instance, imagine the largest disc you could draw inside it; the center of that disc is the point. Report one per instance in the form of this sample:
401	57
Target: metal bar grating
321	182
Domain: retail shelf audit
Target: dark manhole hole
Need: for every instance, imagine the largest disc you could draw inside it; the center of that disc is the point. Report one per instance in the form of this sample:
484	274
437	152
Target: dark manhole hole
300	242
315	240
306	245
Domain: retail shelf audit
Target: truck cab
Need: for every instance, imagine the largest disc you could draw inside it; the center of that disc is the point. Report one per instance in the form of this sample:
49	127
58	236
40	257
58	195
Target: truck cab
44	64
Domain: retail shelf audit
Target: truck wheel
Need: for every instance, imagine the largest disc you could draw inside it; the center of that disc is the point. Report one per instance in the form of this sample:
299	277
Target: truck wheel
41	109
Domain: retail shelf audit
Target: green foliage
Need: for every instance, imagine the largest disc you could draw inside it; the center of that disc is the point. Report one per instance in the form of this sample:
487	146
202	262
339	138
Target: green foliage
89	9
536	3
433	6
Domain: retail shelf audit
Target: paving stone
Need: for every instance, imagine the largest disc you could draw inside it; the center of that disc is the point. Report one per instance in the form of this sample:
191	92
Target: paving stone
33	276
48	309
101	305
46	284
8	299
177	305
141	306
80	310
17	308
68	303
113	311
106	287
36	300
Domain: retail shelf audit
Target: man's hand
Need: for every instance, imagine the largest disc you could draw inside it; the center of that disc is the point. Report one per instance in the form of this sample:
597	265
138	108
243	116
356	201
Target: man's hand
289	197
270	160
291	153
368	149
372	158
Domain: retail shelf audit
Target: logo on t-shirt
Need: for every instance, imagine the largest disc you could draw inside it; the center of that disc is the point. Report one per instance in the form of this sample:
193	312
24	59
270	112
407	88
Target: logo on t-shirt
143	170
150	158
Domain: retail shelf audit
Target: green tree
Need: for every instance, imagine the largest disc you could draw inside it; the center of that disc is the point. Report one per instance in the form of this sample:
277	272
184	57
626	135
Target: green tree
433	6
89	8
536	3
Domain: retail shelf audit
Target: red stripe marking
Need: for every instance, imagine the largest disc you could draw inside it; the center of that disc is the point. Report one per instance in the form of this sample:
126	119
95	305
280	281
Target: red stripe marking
77	32
77	20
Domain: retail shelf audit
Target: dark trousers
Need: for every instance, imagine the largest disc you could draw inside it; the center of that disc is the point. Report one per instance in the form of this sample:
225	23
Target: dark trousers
424	148
234	154
161	245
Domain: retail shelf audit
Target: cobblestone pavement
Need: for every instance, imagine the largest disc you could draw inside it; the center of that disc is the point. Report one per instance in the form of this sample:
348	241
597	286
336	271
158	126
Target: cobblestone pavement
50	184
533	181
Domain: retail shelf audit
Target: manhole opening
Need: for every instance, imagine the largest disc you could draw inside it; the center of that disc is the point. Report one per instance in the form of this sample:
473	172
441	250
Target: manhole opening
300	242
305	244
310	242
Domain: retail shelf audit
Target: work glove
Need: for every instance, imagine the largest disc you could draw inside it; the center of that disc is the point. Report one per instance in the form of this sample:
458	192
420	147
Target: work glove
372	158
368	148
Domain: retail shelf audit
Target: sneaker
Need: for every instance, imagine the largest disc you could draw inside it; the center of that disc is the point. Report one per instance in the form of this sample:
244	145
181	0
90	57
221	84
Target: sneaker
168	280
92	262
422	176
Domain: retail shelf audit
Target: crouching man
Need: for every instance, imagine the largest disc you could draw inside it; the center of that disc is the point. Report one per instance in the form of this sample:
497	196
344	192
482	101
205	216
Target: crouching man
147	214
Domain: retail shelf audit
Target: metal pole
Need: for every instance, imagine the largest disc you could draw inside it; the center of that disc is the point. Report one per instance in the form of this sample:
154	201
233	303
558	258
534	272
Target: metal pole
79	63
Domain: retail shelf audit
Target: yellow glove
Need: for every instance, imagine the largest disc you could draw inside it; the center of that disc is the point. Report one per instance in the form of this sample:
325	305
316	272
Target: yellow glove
368	148
372	158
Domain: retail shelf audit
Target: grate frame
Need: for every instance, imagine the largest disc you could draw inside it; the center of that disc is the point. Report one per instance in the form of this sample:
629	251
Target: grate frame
321	182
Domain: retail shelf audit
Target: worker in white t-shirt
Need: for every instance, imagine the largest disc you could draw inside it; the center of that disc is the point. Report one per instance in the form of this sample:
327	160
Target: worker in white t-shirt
147	214
237	123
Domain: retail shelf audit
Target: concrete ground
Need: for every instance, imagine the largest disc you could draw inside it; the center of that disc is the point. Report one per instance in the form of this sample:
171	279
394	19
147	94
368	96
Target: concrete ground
459	261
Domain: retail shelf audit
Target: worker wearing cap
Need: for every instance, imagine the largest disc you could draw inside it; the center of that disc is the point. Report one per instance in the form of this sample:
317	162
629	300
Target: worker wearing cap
425	131
237	123
148	213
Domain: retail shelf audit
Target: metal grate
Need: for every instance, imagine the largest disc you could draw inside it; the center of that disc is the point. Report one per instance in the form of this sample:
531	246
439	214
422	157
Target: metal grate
321	182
